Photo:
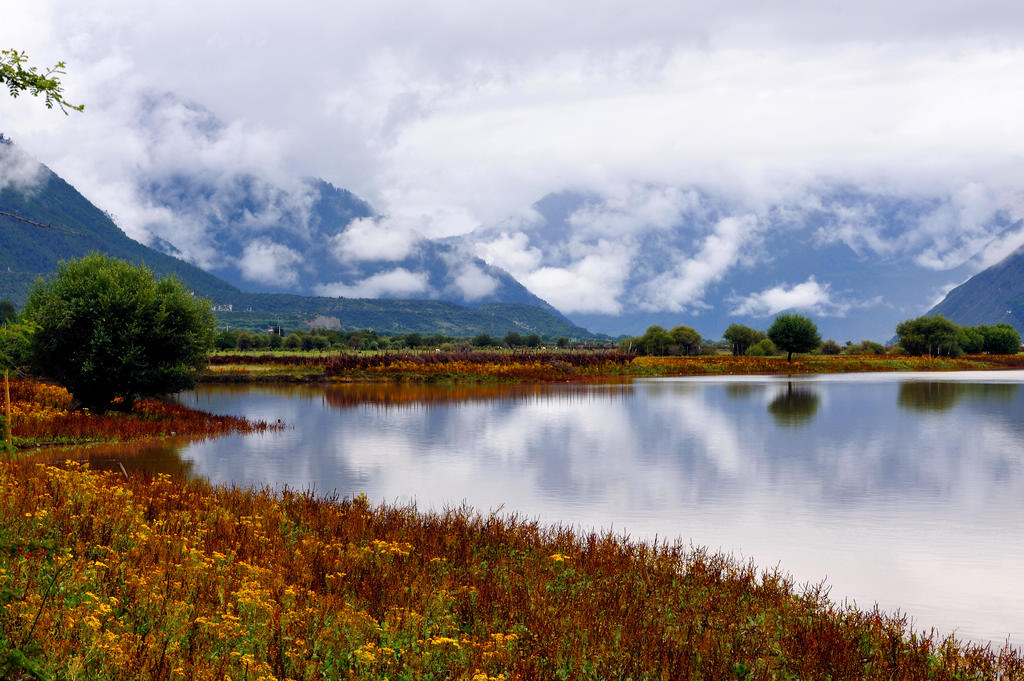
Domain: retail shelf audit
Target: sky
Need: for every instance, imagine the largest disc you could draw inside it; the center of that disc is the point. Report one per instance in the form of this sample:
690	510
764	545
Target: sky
453	118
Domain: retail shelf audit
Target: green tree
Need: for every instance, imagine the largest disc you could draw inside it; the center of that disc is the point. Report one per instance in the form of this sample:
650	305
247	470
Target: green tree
655	341
741	337
245	340
15	342
532	341
686	339
513	339
830	347
7	312
971	339
483	340
109	330
932	336
794	333
19	77
1001	339
762	348
865	347
226	340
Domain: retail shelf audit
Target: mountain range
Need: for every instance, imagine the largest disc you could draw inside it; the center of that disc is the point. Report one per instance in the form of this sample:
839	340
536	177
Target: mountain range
858	259
75	227
855	259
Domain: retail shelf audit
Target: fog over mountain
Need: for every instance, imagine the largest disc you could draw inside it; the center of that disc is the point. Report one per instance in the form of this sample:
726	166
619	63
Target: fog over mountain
666	163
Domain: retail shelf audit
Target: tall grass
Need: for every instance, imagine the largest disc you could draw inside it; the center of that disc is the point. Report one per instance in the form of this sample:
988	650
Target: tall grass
103	577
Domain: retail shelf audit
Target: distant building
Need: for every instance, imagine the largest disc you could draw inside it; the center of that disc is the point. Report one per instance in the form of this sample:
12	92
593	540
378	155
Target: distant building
325	322
223	308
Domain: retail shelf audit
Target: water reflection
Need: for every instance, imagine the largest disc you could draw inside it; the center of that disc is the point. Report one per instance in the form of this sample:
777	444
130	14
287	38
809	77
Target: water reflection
794	407
943	396
160	457
917	507
741	391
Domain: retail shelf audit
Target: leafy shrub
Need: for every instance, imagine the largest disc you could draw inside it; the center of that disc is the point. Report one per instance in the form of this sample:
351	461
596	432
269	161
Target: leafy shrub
762	348
109	330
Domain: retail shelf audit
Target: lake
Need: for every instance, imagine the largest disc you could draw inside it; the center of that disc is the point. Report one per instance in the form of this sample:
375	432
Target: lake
901	489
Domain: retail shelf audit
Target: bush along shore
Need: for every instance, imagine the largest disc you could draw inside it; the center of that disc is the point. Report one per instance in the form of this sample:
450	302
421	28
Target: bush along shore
105	576
555	365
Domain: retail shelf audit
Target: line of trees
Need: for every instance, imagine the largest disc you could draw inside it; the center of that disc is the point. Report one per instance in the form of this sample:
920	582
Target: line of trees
680	340
367	339
934	336
939	337
789	333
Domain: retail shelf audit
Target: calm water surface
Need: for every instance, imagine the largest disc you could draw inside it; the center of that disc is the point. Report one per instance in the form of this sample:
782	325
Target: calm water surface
905	490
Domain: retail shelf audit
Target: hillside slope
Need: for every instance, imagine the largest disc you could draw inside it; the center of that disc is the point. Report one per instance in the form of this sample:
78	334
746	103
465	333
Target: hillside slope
28	252
991	296
255	311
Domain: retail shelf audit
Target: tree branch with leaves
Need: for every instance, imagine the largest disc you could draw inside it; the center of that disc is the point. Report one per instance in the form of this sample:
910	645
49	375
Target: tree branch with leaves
19	77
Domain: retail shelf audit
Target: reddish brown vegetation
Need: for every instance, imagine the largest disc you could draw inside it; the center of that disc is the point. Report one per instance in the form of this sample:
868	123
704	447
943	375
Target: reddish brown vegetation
159	580
41	414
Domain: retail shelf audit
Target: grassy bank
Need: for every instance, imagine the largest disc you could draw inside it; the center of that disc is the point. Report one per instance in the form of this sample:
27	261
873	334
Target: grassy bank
41	415
103	577
547	366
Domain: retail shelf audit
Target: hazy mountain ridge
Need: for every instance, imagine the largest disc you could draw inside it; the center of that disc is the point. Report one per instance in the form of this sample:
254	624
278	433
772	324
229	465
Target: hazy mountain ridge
319	240
258	311
261	230
857	262
28	252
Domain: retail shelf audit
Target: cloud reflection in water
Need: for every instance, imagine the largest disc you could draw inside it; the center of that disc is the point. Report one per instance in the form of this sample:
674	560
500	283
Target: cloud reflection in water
902	492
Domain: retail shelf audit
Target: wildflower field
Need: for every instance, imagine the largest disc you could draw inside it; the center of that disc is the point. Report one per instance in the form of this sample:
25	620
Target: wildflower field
41	414
104	576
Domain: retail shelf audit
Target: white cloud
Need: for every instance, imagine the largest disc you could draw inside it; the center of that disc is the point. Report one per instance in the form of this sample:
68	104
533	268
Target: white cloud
473	283
511	252
594	283
396	282
18	170
683	287
269	263
636	209
447	120
809	296
374	239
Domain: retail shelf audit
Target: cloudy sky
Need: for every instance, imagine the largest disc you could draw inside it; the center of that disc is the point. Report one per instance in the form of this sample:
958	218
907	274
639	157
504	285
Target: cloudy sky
453	118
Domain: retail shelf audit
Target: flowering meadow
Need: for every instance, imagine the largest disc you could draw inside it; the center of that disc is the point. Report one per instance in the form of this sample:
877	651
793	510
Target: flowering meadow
107	576
41	414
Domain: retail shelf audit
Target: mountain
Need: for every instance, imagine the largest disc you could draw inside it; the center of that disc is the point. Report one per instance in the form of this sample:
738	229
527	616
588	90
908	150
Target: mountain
315	238
857	262
994	295
262	231
32	191
390	316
